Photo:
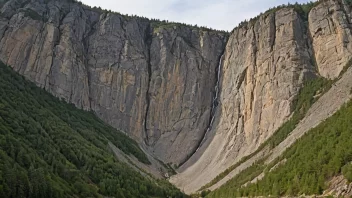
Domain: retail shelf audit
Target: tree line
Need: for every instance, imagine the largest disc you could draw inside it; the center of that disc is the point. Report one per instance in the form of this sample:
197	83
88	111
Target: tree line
49	148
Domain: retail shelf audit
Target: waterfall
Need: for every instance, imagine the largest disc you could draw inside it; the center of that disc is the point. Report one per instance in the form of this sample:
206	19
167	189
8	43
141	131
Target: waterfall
214	104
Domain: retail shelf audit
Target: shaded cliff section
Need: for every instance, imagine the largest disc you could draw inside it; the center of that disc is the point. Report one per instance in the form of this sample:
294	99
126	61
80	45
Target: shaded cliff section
266	63
155	83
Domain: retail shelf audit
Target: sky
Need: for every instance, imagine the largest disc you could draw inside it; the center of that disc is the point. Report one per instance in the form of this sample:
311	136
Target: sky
216	14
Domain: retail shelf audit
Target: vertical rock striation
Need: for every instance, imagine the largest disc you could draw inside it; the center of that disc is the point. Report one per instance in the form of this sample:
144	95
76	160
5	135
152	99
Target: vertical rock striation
155	83
264	68
183	64
117	60
330	28
265	65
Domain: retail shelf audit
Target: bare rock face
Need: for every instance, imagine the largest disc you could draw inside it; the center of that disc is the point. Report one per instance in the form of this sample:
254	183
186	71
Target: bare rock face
264	67
183	65
117	60
157	82
269	66
329	25
51	53
339	187
154	83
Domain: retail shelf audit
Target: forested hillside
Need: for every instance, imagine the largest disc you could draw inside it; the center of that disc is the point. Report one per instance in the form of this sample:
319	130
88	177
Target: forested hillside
305	168
48	148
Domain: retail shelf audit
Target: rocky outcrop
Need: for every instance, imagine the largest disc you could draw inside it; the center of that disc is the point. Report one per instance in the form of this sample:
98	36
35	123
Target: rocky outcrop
265	65
330	28
338	95
338	187
51	53
328	104
155	83
264	68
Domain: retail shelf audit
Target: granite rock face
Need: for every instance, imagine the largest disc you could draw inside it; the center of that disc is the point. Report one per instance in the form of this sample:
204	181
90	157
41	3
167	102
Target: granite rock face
155	83
330	28
117	61
265	65
181	89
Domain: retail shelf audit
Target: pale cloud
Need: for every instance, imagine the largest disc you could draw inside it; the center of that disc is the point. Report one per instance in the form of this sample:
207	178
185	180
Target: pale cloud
217	14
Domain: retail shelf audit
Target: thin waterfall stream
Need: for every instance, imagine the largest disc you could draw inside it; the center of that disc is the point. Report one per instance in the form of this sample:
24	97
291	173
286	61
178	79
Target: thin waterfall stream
215	103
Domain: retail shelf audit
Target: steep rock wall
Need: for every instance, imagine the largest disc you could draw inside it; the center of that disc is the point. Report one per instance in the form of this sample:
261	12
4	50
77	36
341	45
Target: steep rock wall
264	67
157	83
183	65
117	60
330	28
154	83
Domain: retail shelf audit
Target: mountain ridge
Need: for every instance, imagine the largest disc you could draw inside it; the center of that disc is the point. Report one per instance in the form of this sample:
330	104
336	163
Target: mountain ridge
256	55
100	62
158	83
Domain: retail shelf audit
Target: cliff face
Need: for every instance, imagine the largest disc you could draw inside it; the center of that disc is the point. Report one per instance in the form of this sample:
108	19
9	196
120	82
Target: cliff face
183	78
157	83
330	28
265	64
154	83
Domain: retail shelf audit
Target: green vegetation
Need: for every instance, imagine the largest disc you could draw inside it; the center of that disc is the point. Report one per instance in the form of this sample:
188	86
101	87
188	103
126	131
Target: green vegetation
347	171
48	148
155	23
302	9
164	24
310	93
230	189
307	96
302	173
305	99
324	152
